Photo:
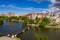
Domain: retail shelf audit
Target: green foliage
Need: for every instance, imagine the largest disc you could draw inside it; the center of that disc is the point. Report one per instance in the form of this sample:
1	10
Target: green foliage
53	24
24	24
37	20
37	29
46	20
31	21
24	17
2	17
11	17
20	17
42	25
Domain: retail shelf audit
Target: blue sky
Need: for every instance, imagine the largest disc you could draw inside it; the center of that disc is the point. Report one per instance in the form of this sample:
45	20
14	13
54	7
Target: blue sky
24	6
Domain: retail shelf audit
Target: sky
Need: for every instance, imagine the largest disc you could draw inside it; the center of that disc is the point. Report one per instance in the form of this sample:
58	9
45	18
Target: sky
25	6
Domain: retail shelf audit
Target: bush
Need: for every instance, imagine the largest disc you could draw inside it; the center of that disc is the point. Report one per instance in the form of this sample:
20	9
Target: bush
46	20
42	25
31	21
53	24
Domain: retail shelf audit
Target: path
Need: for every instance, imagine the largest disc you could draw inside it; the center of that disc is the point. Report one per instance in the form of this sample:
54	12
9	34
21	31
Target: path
7	38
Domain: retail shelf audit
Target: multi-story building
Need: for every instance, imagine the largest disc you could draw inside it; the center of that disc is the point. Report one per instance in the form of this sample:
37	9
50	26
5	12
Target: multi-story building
41	15
11	14
31	15
3	14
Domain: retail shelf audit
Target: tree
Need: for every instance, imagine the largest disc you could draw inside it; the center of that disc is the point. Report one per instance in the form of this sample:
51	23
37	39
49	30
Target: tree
46	20
37	20
31	21
42	24
24	24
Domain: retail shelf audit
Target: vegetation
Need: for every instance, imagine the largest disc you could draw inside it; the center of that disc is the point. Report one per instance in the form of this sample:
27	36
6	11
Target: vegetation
31	21
53	24
24	24
42	25
46	20
1	19
37	20
1	22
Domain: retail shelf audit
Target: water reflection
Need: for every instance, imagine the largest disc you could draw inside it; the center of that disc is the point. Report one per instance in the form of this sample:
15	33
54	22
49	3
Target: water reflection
10	27
48	35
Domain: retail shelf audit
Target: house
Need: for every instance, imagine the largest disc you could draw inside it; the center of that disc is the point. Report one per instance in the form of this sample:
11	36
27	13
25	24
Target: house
41	15
31	15
3	14
11	14
58	20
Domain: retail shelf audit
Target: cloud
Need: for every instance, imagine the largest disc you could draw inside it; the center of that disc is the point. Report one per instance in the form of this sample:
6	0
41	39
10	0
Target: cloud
53	1
29	9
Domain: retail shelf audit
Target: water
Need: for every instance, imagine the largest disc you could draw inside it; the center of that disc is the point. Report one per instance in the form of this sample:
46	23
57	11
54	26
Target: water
15	27
10	27
51	34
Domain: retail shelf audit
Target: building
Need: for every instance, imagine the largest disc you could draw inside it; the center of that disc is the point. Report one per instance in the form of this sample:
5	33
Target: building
31	15
41	15
3	14
58	20
11	14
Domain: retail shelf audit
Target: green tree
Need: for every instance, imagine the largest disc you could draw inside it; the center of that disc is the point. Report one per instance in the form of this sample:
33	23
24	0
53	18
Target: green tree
26	20
46	20
37	20
24	24
31	21
42	24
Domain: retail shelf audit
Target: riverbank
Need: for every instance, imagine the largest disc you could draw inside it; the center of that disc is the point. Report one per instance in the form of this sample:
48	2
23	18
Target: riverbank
37	25
7	38
53	27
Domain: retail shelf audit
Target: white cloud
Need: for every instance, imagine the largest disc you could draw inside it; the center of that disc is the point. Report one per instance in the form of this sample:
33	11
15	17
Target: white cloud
25	9
53	1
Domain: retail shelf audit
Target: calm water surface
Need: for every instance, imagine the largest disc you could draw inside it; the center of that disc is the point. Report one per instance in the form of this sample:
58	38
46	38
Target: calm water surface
51	34
10	27
15	27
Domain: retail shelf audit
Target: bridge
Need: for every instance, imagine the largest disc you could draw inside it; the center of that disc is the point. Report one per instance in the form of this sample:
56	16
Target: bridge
19	32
